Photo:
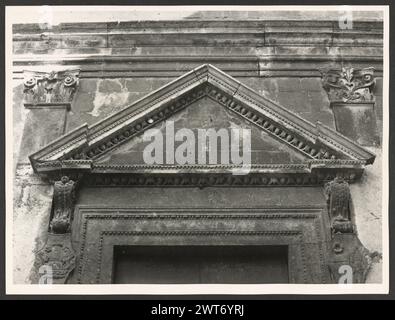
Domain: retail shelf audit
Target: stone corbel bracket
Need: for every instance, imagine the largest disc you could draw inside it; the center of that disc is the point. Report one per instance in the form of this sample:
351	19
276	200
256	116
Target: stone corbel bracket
57	257
55	89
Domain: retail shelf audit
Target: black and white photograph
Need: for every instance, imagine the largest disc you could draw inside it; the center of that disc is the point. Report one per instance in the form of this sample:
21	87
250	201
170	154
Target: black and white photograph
197	150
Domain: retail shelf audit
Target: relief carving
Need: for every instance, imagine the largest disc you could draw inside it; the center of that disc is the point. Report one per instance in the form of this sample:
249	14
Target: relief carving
338	199
349	85
345	251
63	205
348	253
59	256
49	88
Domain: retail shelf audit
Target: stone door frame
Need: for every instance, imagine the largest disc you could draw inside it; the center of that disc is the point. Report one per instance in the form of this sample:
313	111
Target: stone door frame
99	229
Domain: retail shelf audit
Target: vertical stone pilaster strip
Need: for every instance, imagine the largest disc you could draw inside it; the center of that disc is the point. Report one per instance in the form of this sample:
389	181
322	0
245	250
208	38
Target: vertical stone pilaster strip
57	258
350	92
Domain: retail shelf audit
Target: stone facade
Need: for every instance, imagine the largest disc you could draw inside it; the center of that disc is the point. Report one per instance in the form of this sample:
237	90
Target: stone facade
68	79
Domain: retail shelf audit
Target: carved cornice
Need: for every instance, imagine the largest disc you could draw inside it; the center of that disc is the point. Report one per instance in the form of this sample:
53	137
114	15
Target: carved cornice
349	85
314	172
203	180
315	142
55	89
269	63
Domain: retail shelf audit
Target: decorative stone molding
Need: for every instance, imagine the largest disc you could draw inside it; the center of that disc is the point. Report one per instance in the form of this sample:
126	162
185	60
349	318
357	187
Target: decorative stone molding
50	89
338	197
63	205
219	180
101	228
349	85
58	253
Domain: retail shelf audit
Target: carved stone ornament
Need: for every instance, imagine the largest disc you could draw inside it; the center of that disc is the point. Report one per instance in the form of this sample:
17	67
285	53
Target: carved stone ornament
349	258
57	258
339	200
349	85
50	88
63	205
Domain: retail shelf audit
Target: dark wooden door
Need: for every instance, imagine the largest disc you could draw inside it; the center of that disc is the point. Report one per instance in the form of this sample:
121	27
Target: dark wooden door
200	264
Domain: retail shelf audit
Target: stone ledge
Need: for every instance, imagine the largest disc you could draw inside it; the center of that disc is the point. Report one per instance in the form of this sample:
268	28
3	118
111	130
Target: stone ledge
33	38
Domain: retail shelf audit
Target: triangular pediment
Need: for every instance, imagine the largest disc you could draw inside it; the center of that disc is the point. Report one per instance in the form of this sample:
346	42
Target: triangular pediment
205	124
278	128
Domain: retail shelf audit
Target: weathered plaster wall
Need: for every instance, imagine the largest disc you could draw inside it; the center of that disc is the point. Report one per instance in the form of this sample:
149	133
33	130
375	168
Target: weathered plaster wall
367	203
101	94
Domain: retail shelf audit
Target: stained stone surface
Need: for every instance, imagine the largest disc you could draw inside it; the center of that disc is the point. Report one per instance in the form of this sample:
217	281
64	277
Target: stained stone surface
42	126
358	122
207	114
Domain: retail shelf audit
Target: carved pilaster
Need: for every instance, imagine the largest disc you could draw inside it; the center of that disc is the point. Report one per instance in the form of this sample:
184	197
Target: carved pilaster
48	96
345	250
58	254
350	93
54	88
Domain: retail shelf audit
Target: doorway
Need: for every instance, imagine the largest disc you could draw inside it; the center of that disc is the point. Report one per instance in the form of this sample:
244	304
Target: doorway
200	264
